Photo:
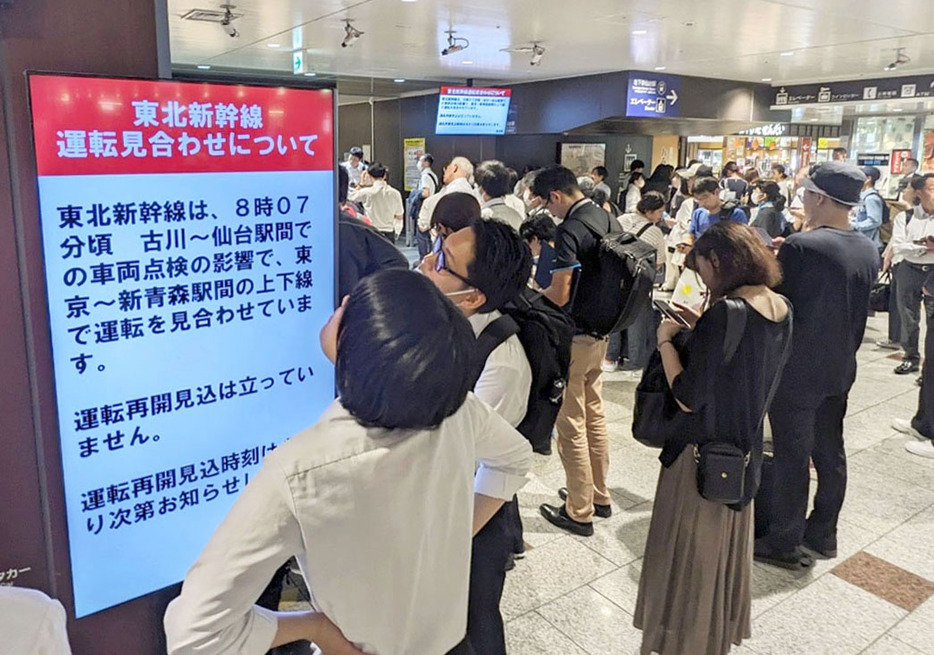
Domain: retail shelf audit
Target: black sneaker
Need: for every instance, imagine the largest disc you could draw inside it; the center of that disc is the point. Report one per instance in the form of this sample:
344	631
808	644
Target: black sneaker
819	553
907	367
558	517
603	511
794	560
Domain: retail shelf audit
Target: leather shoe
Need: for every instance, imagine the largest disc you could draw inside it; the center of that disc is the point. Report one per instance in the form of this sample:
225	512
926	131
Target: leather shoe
603	511
558	517
794	560
907	367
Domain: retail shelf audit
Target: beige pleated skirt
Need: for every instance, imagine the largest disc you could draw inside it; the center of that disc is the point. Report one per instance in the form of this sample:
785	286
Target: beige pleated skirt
695	591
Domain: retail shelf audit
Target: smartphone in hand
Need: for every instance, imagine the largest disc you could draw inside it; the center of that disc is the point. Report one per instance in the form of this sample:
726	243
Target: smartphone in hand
670	311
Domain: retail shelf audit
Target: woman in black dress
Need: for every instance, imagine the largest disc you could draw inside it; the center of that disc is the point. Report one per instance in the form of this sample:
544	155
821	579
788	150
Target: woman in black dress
694	593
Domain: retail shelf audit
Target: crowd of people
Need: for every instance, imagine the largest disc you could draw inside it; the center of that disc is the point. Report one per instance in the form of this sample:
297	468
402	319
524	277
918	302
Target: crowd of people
412	472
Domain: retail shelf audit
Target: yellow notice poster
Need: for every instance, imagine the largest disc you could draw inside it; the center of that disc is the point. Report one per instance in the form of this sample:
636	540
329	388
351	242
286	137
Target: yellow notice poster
412	150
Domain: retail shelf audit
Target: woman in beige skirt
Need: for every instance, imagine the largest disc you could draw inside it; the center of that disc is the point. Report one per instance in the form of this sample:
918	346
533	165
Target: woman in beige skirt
695	589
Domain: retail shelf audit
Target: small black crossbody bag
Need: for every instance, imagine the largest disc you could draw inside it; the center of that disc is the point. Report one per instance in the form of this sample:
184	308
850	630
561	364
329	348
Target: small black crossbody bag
721	466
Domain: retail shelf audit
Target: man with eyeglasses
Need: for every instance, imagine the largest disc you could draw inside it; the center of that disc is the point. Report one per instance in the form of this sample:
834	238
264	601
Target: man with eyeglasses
481	268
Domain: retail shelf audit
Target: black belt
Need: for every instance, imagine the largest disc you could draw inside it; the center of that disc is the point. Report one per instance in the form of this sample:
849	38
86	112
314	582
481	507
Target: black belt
925	268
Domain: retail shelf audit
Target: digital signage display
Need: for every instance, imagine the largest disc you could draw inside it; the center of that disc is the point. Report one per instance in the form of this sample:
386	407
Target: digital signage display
470	110
189	245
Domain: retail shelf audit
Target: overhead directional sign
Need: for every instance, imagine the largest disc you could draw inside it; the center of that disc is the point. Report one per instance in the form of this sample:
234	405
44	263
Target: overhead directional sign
895	88
653	96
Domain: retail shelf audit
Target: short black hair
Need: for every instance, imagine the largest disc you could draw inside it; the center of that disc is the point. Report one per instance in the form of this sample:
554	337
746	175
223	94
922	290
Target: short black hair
913	161
387	356
541	225
841	151
650	202
601	171
501	265
599	196
872	173
493	177
376	170
343	184
638	163
456	211
513	177
428	158
554	178
705	185
917	182
356	151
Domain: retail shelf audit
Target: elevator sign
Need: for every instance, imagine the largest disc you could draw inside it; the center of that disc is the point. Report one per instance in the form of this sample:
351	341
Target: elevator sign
653	96
188	238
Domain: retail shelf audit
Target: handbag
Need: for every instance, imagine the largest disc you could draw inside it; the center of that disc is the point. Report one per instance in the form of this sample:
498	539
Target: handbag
722	466
656	417
881	294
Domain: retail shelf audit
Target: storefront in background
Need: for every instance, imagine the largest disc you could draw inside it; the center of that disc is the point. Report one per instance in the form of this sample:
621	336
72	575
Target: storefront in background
792	145
886	142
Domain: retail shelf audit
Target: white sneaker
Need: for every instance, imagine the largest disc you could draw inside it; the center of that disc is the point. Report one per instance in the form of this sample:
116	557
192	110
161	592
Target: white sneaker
921	448
609	367
903	426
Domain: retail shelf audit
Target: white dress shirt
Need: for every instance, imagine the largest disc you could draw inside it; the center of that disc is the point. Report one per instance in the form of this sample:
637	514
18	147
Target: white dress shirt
31	623
381	203
902	243
457	185
506	379
499	209
515	203
633	196
428	181
603	186
355	173
380	522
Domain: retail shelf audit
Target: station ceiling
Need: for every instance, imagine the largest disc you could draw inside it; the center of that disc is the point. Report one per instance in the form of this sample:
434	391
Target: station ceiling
780	41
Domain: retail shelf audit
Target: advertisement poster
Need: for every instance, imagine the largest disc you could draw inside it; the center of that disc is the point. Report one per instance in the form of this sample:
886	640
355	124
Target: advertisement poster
582	157
899	157
188	237
412	150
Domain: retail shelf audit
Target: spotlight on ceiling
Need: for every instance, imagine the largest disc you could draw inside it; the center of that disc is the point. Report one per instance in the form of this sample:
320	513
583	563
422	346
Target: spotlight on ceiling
351	34
455	44
227	22
537	53
900	60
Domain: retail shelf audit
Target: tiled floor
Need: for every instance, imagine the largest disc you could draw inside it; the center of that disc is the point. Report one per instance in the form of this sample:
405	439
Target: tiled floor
575	595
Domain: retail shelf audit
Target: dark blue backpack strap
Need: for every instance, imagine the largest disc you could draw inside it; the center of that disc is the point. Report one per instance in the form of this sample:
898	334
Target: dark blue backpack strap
489	340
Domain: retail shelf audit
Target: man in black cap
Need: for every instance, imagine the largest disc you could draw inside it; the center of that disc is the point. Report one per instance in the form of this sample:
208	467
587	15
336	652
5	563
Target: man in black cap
828	271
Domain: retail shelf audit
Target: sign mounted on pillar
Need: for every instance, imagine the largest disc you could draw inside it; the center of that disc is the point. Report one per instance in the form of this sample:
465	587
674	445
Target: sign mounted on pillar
189	243
413	149
653	96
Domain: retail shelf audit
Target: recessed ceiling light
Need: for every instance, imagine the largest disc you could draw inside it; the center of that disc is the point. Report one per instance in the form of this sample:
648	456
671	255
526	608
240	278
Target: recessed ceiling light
409	0
466	62
897	109
660	68
788	54
400	80
310	74
273	45
639	32
766	79
204	67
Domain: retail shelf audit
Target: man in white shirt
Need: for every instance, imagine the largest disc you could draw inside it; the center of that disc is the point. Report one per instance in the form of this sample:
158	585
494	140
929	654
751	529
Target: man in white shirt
456	178
598	175
481	268
427	186
355	166
492	179
915	263
377	501
31	623
381	203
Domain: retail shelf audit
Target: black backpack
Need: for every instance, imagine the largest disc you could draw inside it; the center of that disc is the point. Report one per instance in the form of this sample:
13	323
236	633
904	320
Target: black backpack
414	201
886	212
545	332
623	288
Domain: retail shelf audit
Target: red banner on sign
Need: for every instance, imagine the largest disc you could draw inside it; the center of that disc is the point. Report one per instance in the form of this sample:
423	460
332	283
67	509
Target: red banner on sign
96	126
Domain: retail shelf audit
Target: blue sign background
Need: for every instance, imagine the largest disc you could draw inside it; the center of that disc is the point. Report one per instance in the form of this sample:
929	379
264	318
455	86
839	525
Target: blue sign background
653	96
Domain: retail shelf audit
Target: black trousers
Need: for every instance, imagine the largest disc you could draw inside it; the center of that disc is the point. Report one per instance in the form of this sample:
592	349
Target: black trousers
911	278
895	314
923	421
491	548
462	648
800	434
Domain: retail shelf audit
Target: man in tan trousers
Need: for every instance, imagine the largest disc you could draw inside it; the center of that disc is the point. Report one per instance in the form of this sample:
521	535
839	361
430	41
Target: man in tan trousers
581	425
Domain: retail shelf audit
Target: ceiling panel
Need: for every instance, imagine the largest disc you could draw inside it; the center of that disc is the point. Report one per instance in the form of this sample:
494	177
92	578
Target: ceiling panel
821	39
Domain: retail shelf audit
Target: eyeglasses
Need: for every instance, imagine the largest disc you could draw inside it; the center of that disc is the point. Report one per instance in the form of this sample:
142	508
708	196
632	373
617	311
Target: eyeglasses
441	263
